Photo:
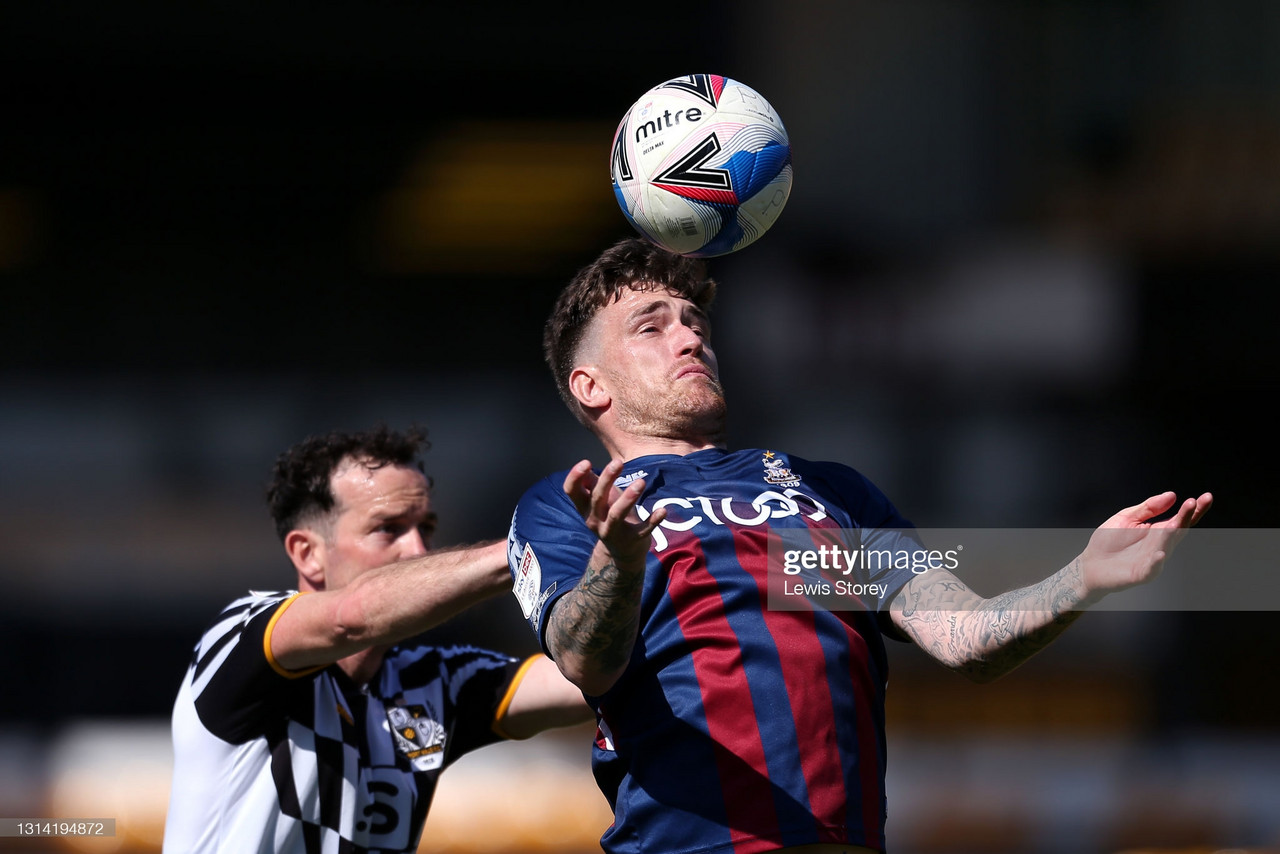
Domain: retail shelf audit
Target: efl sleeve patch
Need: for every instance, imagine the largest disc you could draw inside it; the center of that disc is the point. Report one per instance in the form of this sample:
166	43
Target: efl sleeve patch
528	580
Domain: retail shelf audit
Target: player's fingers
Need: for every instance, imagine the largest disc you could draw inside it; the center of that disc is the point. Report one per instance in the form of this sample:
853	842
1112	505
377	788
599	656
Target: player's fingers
1203	503
626	501
577	474
577	485
655	519
1178	519
1153	506
603	487
1191	511
1176	527
1187	516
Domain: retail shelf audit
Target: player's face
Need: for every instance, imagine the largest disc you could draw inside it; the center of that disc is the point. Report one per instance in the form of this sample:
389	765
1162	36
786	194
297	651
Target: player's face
381	515
655	354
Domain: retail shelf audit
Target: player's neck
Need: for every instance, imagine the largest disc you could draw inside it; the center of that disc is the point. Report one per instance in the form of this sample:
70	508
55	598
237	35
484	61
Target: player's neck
362	666
631	447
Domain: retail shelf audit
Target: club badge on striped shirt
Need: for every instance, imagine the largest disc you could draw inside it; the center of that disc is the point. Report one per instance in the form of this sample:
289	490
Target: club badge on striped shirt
776	471
417	735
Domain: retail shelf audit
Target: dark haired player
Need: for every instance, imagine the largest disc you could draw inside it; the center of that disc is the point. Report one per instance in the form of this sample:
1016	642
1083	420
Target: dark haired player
304	724
725	725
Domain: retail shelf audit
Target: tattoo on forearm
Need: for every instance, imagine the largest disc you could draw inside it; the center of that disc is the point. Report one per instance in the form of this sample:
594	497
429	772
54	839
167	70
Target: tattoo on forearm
598	618
993	636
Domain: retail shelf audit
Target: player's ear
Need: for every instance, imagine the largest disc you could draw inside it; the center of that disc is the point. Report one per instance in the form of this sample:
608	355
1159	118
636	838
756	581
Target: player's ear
587	389
306	549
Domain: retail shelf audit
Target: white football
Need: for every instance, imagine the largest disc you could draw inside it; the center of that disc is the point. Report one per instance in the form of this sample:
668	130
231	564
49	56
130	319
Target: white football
701	165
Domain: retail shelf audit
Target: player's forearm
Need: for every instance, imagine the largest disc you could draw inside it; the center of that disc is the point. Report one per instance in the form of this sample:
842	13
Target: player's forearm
400	600
592	628
986	638
1006	630
387	605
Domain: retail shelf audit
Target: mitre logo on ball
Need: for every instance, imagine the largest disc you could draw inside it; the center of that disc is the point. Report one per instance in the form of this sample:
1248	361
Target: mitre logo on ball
701	165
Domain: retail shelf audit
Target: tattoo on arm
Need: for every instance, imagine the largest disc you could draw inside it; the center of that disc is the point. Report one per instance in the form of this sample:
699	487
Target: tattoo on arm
989	637
598	619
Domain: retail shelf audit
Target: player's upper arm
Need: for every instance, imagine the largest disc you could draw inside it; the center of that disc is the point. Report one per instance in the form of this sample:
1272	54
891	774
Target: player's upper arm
303	635
235	687
548	548
539	698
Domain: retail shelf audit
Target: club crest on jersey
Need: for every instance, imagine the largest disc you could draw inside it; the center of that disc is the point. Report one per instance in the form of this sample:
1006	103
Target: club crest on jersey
417	735
776	471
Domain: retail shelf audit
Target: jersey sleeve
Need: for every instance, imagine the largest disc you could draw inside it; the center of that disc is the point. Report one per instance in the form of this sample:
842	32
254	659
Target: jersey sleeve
548	548
238	690
479	684
881	528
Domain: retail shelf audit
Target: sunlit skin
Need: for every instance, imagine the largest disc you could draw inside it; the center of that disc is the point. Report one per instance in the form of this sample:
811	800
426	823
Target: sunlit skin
648	378
380	516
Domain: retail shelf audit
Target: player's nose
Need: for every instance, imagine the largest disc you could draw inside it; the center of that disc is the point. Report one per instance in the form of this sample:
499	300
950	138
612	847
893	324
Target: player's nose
413	544
688	341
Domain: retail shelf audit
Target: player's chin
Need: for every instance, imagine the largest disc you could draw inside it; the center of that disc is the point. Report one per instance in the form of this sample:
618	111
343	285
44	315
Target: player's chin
704	404
706	382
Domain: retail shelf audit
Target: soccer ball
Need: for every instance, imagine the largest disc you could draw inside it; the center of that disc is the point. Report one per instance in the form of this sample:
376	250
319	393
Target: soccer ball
701	165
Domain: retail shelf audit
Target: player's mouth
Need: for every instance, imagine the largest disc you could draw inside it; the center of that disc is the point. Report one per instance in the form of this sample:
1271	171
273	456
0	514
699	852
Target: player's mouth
695	369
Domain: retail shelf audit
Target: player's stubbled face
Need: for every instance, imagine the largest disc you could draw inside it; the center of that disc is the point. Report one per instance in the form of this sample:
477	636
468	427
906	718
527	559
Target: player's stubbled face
659	367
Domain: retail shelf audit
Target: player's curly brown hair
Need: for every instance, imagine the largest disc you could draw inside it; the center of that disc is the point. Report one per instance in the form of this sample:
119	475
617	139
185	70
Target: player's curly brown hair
300	488
630	263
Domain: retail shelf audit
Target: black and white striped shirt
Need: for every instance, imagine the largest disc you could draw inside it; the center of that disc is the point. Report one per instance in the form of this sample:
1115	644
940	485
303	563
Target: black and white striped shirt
275	762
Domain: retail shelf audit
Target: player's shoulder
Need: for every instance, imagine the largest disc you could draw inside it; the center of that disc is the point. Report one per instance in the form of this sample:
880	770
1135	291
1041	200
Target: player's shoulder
543	503
866	502
549	488
237	617
244	608
827	468
256	599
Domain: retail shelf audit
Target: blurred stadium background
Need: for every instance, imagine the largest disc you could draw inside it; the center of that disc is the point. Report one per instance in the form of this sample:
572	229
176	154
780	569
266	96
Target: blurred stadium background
1026	277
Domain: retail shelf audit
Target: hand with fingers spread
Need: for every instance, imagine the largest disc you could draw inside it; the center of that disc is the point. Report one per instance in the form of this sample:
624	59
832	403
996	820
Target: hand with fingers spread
1130	549
610	512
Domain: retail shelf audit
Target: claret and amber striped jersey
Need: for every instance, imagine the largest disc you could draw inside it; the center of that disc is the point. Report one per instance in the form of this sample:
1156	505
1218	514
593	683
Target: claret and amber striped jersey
272	762
737	727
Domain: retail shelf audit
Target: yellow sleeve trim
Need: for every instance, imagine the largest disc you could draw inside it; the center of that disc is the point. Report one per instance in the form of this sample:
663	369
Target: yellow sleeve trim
501	713
266	643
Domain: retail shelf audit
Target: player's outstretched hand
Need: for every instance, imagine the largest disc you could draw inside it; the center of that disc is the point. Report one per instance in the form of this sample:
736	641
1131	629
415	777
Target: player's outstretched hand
610	512
1130	549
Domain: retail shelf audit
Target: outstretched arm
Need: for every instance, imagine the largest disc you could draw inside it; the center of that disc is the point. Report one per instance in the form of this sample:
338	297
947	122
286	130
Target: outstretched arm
592	628
387	605
986	638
